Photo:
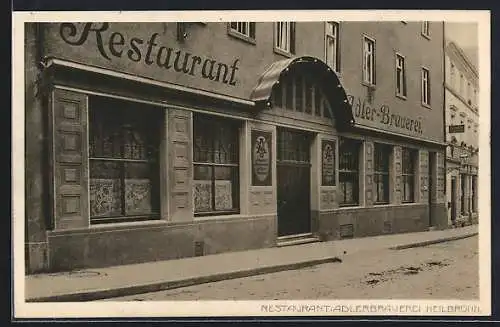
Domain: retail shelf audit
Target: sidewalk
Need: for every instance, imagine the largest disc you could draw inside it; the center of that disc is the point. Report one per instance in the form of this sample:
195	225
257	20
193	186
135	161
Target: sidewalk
93	284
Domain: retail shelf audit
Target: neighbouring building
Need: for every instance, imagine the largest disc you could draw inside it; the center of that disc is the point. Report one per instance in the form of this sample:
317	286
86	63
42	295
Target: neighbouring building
462	127
155	141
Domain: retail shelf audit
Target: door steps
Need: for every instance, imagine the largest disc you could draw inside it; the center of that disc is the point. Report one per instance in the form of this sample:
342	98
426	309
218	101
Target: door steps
296	239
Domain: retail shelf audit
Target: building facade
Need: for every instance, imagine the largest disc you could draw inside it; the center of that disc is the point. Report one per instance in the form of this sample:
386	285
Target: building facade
156	141
462	126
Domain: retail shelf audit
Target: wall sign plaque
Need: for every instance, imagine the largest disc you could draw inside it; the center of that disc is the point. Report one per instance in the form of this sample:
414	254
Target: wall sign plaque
328	163
261	158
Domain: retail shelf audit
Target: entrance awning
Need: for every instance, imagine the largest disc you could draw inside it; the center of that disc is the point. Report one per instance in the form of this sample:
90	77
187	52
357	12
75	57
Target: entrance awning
324	75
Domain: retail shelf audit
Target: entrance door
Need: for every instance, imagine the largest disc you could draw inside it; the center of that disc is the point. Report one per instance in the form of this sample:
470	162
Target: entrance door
294	177
453	199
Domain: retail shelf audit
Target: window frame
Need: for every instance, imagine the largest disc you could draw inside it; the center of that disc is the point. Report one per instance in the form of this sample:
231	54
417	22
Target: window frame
365	81
384	151
426	29
335	65
97	106
412	156
291	39
242	36
352	144
425	94
403	87
234	166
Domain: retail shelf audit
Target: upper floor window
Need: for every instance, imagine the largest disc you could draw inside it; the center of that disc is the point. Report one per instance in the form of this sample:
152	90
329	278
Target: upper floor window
284	37
426	87
452	75
461	85
425	29
244	30
469	94
332	45
368	61
400	76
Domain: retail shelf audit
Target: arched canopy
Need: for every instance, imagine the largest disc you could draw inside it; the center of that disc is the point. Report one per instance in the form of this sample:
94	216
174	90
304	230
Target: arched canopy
323	75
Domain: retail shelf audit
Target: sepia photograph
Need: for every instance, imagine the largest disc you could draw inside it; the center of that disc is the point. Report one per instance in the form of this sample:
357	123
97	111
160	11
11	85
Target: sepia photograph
251	163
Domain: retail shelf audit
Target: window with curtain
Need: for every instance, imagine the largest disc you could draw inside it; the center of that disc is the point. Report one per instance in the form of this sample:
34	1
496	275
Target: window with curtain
216	165
349	171
408	164
382	155
124	140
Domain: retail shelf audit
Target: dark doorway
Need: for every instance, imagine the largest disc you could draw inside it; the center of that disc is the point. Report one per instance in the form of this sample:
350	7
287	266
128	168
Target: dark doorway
294	180
453	203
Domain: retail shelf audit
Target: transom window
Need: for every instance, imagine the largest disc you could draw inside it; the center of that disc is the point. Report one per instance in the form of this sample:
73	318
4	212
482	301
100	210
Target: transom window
400	76
426	87
332	45
382	156
409	157
368	60
124	172
349	171
245	29
284	37
298	92
216	165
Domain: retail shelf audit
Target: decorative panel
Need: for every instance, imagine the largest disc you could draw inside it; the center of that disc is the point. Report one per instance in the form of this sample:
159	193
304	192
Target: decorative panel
180	183
397	174
424	175
69	159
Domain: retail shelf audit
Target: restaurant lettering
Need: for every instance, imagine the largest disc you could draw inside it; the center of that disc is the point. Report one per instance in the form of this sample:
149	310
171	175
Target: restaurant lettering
151	52
361	109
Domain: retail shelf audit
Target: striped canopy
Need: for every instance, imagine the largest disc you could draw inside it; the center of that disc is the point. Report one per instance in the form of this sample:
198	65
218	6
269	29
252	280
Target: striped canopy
324	76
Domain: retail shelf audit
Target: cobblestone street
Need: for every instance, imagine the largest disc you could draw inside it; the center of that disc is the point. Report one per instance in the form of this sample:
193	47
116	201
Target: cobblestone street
442	271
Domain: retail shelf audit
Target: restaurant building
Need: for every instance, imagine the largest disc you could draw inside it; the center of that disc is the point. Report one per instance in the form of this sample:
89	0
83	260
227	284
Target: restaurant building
462	127
156	141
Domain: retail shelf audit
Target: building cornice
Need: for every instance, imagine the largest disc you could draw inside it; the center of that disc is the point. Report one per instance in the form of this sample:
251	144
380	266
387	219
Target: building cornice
454	49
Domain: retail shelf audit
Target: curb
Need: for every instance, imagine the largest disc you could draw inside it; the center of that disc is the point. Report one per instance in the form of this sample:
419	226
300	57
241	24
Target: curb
436	241
172	284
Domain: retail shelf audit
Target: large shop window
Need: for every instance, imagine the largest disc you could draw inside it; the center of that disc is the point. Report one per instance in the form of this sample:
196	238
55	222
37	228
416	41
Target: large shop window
123	158
408	174
349	171
216	165
381	174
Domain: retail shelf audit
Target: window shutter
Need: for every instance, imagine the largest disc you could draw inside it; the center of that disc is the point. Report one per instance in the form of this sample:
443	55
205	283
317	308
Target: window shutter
69	158
292	38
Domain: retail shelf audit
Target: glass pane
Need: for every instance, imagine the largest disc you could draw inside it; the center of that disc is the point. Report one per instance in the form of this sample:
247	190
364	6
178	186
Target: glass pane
105	189
202	188
299	94
289	93
225	187
139	189
278	96
309	94
317	101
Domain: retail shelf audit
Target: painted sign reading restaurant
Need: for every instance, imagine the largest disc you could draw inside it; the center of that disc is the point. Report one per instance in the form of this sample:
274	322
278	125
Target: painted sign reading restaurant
382	114
149	51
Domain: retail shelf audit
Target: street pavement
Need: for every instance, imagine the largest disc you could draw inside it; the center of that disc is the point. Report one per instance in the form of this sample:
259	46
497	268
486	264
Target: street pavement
448	270
125	280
